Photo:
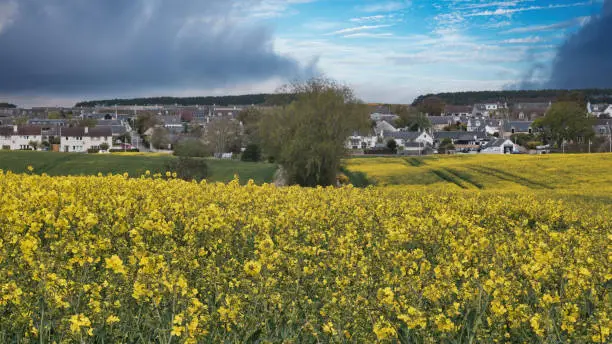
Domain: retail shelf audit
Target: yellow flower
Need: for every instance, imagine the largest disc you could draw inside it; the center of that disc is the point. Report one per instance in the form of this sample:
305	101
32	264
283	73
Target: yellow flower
115	264
77	321
112	319
252	268
30	168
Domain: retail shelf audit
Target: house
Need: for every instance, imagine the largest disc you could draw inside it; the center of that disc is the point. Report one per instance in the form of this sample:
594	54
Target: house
458	110
172	122
599	110
516	127
438	123
357	141
48	122
499	146
471	140
82	139
487	109
387	117
383	126
404	138
20	137
603	127
489	126
529	111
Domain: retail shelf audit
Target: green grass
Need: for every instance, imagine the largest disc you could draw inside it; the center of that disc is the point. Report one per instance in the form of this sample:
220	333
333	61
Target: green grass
63	164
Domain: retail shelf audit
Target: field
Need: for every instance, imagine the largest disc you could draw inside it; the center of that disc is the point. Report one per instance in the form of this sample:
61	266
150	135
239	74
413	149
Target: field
525	257
135	164
569	174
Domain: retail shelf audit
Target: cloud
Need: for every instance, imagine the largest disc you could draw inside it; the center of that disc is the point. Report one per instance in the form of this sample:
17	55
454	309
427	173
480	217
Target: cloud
390	6
509	11
585	59
8	11
531	39
550	27
114	46
358	28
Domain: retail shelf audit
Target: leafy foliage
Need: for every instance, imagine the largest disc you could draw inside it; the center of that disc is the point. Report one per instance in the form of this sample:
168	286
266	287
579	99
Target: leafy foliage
252	153
307	137
565	121
188	168
7	106
249	99
192	148
411	118
471	98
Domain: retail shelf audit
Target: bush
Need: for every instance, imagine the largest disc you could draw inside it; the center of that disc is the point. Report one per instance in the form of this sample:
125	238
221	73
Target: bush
188	168
104	146
533	144
192	148
119	150
93	151
251	153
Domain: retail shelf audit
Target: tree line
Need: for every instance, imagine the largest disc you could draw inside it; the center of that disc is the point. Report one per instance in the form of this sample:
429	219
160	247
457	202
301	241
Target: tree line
471	98
7	106
249	99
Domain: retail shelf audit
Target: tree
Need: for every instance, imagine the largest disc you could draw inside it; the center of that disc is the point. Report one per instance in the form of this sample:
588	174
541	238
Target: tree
565	121
223	135
307	137
392	145
432	105
252	153
446	145
160	138
250	118
34	144
7	106
145	121
192	148
411	118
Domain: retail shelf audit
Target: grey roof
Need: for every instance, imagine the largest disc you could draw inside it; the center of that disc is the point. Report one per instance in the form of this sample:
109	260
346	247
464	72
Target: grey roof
458	109
115	129
518	126
92	132
39	121
460	135
403	135
6	131
441	120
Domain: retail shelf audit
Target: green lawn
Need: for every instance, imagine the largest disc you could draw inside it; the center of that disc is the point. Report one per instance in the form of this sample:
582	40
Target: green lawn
62	164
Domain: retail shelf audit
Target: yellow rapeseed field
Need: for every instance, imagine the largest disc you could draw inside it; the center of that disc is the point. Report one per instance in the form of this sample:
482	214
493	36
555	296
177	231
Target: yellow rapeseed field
111	259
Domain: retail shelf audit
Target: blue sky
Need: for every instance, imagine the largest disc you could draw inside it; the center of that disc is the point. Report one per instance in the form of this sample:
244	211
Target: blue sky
58	52
392	51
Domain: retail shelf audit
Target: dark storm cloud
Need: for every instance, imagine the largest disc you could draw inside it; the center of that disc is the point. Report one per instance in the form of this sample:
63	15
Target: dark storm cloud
90	46
585	59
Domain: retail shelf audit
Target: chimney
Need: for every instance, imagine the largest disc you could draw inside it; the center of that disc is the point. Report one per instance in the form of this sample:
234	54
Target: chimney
15	129
86	130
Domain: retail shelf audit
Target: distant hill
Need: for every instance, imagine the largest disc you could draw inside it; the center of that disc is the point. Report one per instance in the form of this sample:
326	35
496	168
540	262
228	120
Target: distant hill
7	106
250	99
470	98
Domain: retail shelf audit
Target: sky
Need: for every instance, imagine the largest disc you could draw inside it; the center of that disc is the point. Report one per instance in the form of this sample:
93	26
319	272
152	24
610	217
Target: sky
58	52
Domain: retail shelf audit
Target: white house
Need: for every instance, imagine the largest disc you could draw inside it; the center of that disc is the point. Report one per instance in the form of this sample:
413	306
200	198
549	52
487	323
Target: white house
19	137
499	146
404	138
82	139
357	141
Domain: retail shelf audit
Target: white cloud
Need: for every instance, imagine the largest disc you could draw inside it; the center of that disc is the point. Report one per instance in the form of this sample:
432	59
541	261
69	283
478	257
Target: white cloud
509	11
358	28
369	35
8	12
562	25
531	39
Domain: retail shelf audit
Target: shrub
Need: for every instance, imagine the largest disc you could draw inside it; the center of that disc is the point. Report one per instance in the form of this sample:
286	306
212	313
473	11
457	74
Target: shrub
188	168
192	148
251	153
93	151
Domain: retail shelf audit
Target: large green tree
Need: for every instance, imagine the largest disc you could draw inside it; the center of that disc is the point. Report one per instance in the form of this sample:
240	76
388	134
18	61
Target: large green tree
308	136
250	118
565	121
432	105
411	118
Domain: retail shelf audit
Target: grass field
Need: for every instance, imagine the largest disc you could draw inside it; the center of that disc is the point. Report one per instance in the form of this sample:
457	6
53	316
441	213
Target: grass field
67	164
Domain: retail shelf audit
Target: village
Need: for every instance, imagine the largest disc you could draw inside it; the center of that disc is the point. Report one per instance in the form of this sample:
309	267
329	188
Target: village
485	128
